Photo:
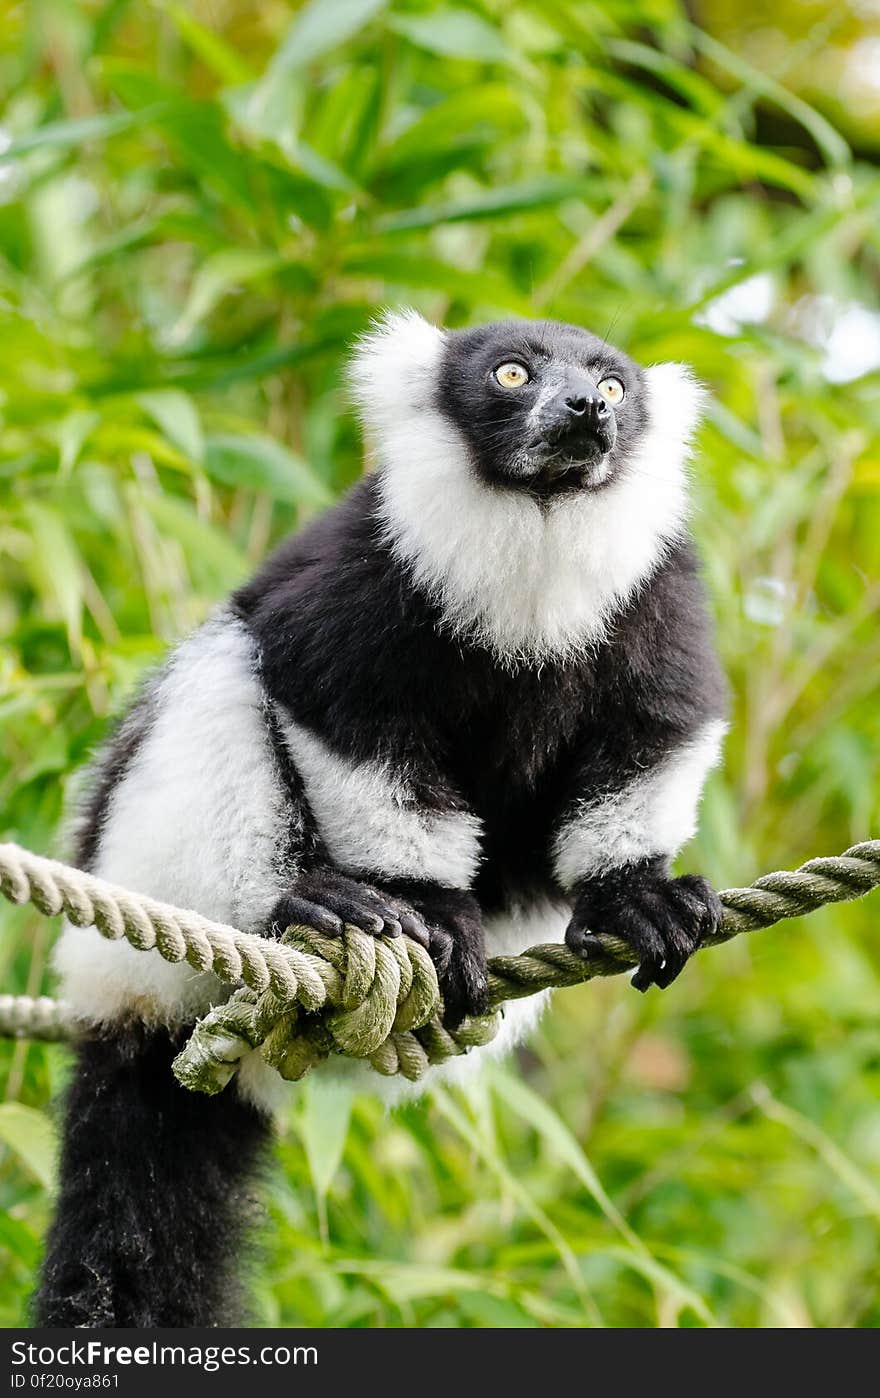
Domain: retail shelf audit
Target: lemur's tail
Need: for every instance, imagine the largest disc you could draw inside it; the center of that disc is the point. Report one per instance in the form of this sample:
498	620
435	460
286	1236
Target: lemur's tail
155	1199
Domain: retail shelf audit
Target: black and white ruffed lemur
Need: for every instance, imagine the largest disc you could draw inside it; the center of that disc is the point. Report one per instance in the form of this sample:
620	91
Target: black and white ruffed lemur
476	700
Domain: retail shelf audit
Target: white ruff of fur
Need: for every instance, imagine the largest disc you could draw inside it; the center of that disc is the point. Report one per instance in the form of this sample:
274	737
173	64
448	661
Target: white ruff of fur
194	822
655	814
530	584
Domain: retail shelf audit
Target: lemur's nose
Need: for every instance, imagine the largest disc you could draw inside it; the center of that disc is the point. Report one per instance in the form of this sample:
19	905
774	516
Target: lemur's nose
578	420
589	405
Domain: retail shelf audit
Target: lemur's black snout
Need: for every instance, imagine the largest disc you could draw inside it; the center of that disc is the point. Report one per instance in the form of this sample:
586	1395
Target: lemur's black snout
579	419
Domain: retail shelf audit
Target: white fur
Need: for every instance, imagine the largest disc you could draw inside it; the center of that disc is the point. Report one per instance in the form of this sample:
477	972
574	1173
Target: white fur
655	814
370	822
194	821
529	583
507	934
394	371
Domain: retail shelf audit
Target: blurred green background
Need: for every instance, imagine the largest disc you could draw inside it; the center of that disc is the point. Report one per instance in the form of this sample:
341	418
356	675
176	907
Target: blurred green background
200	206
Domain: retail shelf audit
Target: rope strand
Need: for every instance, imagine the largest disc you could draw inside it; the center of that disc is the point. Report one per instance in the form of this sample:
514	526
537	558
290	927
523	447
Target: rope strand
309	995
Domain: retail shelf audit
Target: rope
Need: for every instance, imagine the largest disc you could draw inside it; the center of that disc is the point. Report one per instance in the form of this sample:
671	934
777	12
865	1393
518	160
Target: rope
376	999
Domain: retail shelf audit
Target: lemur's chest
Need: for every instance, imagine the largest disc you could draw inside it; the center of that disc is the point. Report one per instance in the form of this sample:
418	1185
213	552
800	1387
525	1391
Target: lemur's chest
515	733
512	750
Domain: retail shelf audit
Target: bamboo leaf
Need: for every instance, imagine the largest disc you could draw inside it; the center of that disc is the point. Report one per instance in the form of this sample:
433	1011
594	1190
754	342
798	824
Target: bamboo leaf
55	563
222	59
320	27
323	1122
31	1136
453	33
261	463
177	415
493	203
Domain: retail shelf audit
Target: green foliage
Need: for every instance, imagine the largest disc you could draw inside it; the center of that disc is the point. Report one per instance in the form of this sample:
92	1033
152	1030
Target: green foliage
200	207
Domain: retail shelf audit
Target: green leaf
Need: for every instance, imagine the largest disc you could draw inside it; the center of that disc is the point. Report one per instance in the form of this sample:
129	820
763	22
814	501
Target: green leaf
322	1122
478	115
406	1281
31	1135
559	1138
494	1312
700	93
62	134
19	1241
566	1148
71	434
207	549
56	565
453	33
195	131
483	287
323	171
490	203
261	463
320	27
220	274
215	53
175	413
830	142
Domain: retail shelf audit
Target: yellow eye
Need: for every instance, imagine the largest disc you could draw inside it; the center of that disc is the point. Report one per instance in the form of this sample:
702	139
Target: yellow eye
612	389
512	375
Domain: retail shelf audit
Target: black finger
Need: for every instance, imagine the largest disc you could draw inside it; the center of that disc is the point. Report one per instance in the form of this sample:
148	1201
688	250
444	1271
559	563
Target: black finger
359	914
648	974
647	943
465	986
300	912
671	968
702	890
678	936
440	949
350	894
579	938
413	926
687	904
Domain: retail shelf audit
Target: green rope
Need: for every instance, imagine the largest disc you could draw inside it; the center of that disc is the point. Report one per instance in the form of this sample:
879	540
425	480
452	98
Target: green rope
376	999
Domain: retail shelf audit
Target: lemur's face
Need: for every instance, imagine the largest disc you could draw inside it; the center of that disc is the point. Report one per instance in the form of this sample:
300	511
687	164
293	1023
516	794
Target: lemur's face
545	408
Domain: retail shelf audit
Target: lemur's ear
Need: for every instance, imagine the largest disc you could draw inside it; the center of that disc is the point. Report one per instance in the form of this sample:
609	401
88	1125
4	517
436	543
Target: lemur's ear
394	370
676	402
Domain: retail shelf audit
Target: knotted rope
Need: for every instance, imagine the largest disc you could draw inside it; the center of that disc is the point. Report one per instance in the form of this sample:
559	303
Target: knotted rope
377	999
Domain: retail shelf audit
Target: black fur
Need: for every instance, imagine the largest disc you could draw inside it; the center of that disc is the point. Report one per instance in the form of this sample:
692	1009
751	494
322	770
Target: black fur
115	761
155	1198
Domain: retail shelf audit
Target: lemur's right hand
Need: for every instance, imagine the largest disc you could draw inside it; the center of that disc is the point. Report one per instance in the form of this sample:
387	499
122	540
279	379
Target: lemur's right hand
327	900
447	922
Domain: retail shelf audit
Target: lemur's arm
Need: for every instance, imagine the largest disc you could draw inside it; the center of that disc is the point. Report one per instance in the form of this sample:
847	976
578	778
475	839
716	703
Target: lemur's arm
613	851
656	725
211	797
189	806
393	840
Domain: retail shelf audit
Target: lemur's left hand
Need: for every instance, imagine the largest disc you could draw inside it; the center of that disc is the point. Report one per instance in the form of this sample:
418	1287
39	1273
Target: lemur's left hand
663	919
